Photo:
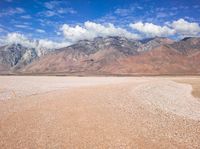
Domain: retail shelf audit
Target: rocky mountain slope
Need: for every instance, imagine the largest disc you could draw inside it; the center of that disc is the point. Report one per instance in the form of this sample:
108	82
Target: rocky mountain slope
187	45
109	55
14	57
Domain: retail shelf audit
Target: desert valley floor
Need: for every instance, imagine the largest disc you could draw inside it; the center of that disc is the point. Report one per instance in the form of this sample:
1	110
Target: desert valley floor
99	112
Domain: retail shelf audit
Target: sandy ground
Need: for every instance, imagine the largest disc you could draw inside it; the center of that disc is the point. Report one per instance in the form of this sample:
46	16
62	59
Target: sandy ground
99	112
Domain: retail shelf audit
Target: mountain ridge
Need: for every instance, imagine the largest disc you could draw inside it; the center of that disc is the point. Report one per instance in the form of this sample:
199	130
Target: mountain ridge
118	55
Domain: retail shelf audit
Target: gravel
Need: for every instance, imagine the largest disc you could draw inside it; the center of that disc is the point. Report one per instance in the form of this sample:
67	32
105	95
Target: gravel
169	96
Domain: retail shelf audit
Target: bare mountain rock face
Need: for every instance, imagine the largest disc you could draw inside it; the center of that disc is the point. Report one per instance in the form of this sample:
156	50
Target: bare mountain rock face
151	43
189	45
108	55
16	56
161	60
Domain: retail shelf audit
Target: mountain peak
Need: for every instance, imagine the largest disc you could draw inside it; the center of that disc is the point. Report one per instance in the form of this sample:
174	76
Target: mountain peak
158	39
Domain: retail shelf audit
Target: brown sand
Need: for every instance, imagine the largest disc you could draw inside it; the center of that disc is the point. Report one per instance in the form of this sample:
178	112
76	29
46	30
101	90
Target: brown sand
134	112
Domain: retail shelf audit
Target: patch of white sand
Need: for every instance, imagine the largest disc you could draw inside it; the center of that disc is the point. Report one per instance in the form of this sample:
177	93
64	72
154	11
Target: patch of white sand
169	96
19	86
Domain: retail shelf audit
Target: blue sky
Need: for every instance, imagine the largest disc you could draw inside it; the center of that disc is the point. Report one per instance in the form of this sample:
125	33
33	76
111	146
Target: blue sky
58	19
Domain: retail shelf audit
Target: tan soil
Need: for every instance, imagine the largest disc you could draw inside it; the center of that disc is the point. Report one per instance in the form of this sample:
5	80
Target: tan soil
195	82
104	113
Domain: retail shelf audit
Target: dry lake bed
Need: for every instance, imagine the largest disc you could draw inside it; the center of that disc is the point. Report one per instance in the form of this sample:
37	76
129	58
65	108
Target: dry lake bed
99	112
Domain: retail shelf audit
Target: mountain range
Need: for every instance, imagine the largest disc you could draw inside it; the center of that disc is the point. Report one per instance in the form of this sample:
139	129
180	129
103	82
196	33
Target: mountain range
111	55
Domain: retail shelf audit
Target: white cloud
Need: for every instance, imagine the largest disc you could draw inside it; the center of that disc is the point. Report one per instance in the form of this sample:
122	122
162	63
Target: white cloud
14	38
91	30
128	11
58	12
179	27
17	38
12	11
49	13
186	28
26	17
151	30
66	11
44	44
22	26
55	8
51	4
122	12
20	10
40	31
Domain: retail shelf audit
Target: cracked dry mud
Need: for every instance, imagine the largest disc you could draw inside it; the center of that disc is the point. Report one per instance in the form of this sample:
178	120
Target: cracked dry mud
99	112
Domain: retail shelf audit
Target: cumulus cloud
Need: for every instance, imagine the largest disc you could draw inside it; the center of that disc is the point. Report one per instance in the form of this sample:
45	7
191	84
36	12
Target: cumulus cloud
179	27
45	43
152	30
91	30
186	28
16	38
